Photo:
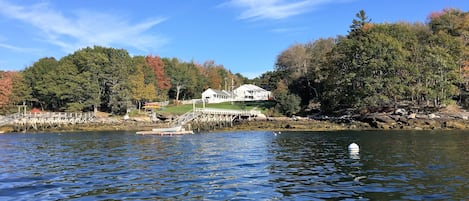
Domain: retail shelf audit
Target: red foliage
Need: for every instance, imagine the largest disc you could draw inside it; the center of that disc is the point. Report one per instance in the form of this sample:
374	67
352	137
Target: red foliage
435	15
163	81
35	110
366	27
6	85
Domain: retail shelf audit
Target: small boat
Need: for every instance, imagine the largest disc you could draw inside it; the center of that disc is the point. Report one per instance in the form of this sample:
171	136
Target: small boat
166	131
173	129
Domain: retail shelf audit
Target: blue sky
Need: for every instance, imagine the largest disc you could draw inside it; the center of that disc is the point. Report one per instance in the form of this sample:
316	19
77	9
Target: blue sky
243	35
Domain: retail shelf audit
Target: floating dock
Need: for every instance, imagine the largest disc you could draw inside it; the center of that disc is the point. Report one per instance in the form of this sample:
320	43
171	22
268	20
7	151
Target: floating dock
168	133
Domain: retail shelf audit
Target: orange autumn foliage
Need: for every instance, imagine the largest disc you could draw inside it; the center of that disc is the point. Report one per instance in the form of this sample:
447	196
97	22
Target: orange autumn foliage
6	86
366	27
163	82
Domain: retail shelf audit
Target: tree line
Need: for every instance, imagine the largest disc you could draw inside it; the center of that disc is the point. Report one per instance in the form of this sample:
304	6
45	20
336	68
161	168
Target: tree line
375	66
378	65
109	80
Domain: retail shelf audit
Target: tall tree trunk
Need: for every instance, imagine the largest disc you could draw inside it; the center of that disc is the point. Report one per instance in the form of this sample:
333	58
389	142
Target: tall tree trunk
178	90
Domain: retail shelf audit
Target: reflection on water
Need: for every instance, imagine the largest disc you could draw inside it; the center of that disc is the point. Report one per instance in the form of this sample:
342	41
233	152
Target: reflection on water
236	165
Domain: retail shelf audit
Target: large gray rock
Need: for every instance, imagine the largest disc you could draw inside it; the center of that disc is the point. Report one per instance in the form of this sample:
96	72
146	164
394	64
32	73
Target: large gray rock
400	111
378	120
384	118
260	117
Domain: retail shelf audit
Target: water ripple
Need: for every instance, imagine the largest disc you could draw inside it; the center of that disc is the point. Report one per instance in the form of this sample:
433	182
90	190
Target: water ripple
234	165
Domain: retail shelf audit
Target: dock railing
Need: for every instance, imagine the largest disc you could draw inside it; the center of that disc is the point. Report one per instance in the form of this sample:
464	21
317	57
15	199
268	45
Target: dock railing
228	111
199	112
38	120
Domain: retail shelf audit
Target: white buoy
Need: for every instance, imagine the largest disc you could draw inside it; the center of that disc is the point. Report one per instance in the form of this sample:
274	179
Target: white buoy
354	150
353	147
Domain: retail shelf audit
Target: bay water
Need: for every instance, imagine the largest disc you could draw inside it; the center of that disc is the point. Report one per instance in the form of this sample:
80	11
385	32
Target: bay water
239	165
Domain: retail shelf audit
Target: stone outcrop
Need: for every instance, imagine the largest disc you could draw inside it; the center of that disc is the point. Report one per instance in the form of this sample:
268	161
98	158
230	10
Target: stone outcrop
402	120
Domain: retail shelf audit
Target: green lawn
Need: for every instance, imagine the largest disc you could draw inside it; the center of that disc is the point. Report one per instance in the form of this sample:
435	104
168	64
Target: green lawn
181	109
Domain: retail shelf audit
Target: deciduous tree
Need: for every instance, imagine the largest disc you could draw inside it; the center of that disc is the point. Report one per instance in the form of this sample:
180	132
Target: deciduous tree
163	82
6	86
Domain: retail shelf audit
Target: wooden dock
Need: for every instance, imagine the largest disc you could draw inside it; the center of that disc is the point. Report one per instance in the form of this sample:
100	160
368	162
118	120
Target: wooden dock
43	120
212	118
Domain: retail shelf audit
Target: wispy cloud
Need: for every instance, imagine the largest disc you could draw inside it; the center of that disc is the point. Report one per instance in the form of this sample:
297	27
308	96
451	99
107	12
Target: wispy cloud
289	30
84	28
17	49
275	9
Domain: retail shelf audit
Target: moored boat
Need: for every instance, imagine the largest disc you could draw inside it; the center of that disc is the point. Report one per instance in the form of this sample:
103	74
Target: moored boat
172	129
166	131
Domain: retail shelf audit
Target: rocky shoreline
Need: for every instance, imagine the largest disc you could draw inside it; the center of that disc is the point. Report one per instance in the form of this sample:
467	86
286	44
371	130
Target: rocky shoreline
414	121
398	120
376	121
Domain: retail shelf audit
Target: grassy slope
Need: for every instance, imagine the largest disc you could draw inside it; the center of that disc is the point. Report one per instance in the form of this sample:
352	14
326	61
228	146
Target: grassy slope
181	109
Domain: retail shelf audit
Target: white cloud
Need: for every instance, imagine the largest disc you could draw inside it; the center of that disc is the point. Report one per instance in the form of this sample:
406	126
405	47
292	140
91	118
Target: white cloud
275	9
85	28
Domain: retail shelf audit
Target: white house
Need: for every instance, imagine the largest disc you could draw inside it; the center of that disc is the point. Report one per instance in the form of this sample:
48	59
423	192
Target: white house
250	92
246	92
216	96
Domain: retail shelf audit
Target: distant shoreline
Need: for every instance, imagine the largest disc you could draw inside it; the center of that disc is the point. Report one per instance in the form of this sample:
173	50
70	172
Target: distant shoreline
376	121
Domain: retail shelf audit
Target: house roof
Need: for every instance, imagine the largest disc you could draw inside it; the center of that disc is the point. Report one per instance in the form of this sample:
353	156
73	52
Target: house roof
250	87
218	92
